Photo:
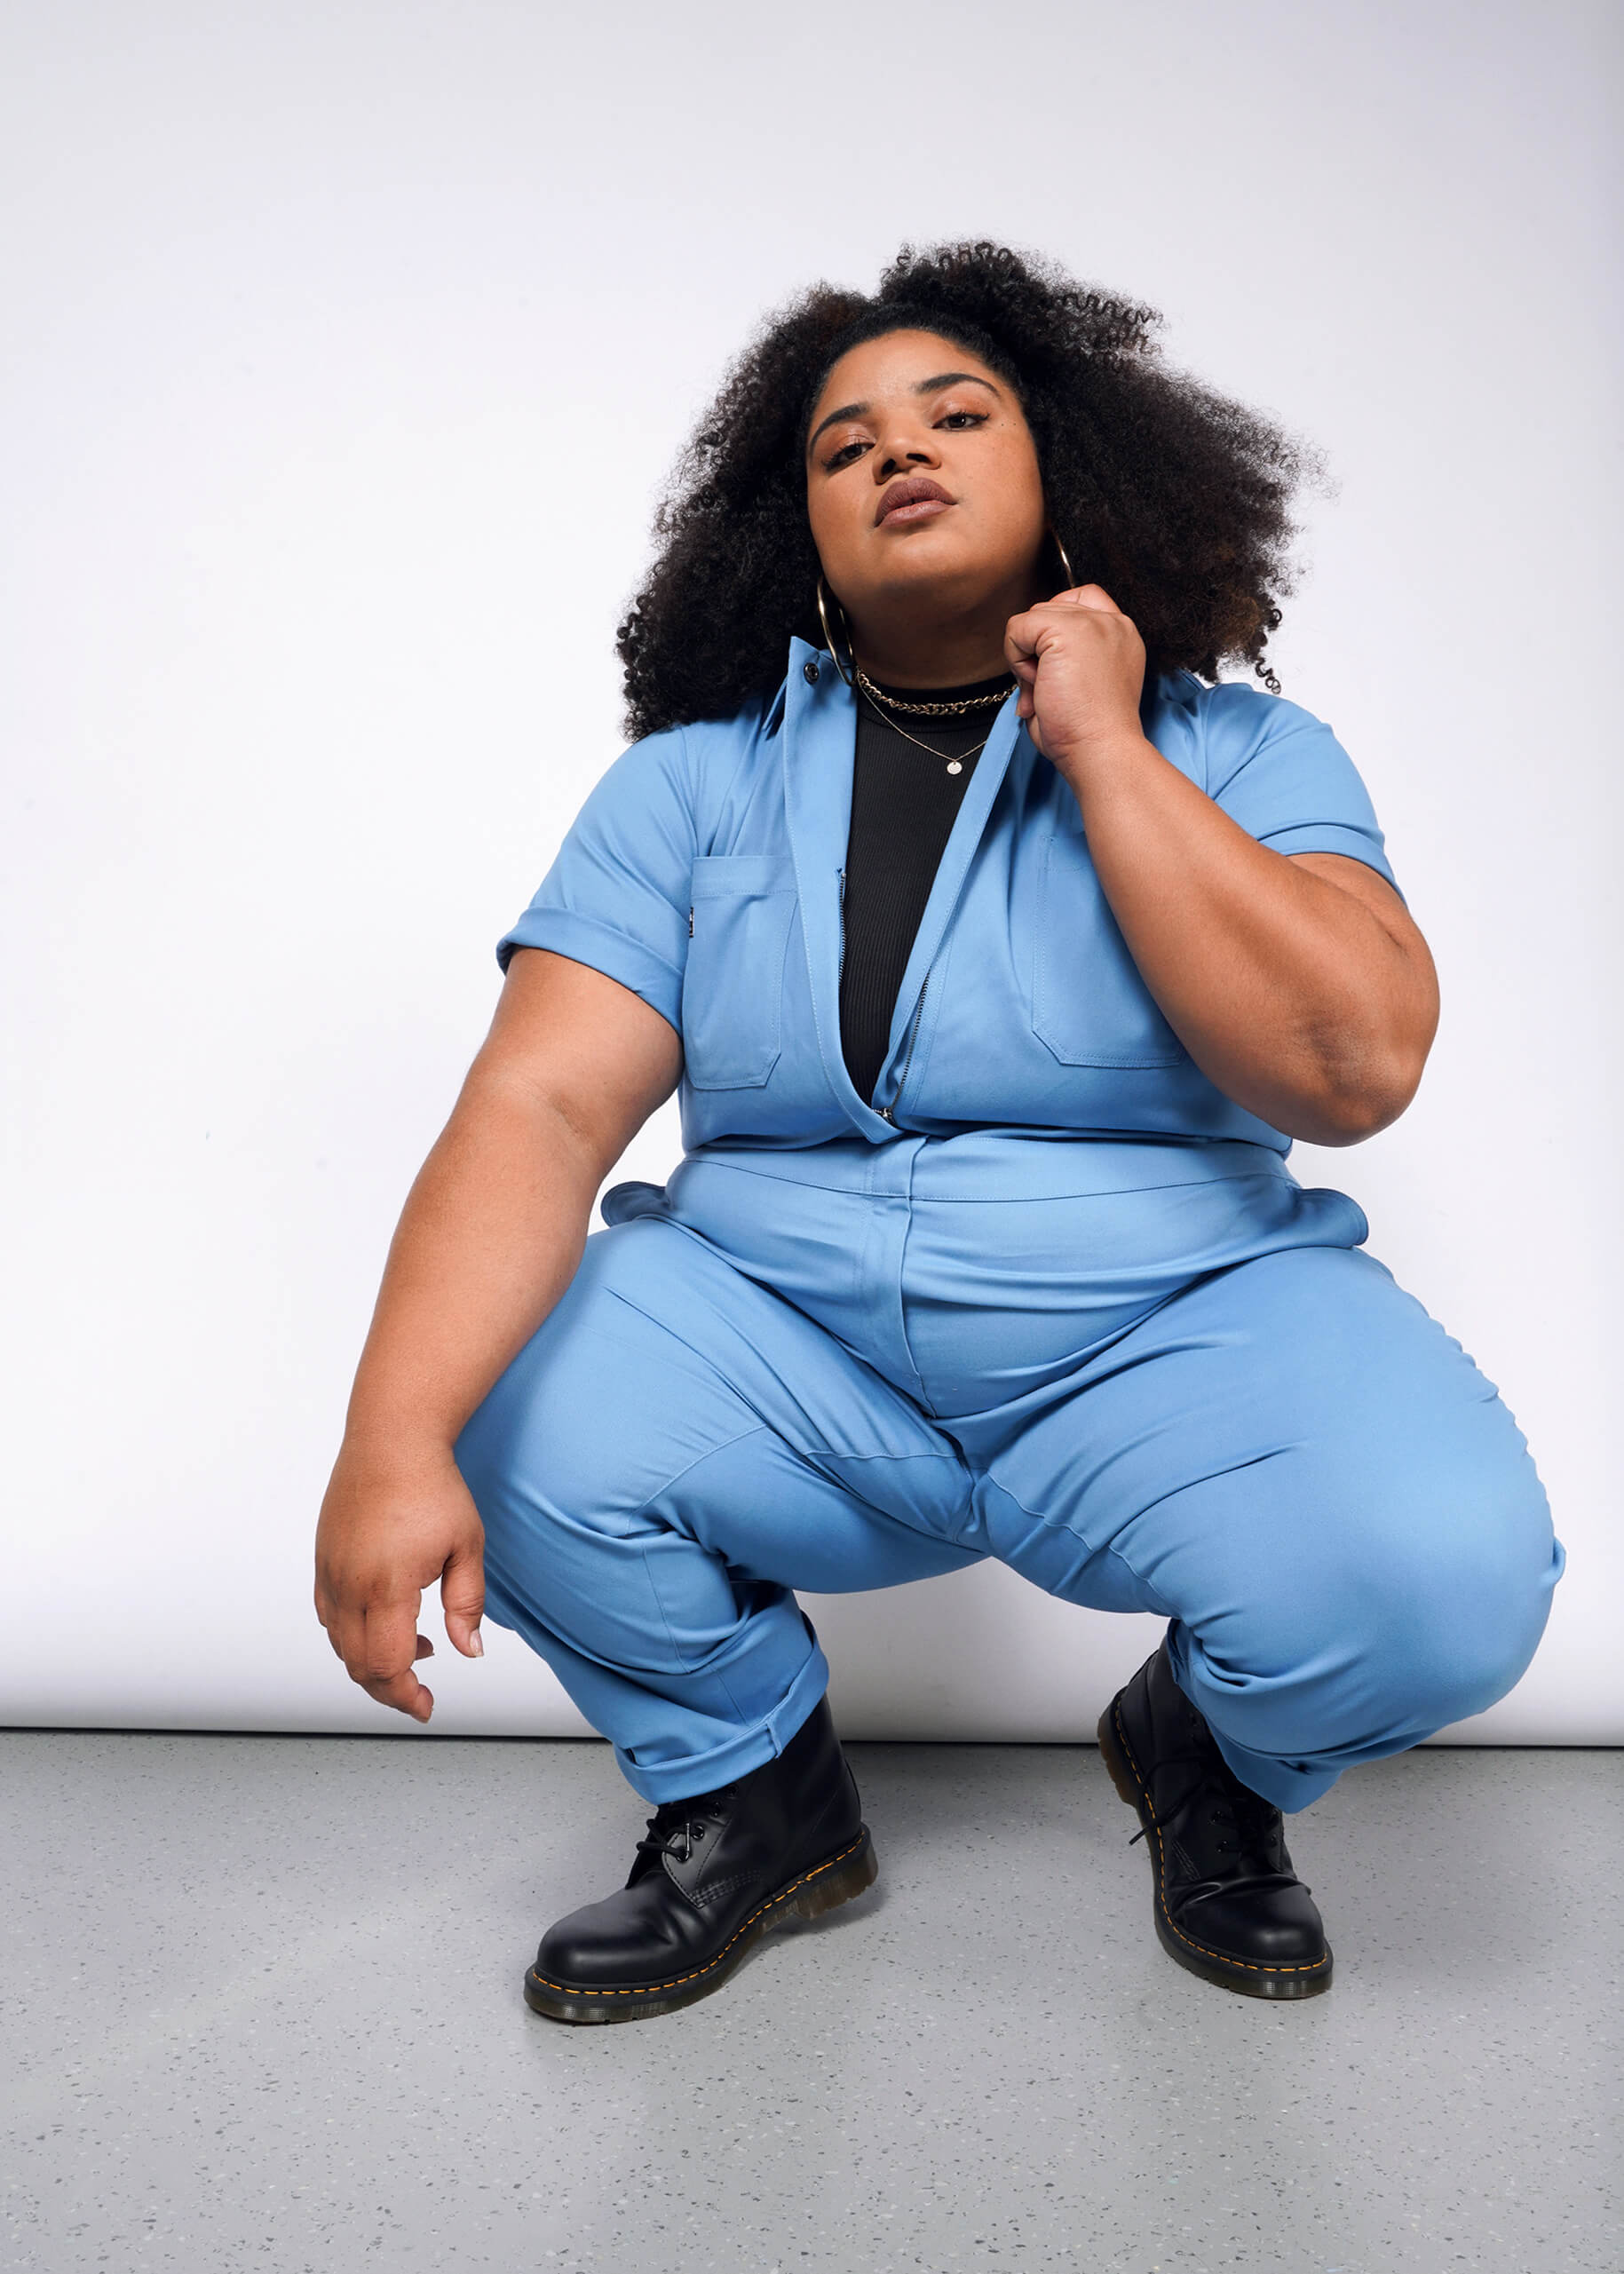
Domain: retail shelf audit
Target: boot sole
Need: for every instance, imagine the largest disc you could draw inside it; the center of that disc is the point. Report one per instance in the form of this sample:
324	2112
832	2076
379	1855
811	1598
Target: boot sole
1250	1980
822	1887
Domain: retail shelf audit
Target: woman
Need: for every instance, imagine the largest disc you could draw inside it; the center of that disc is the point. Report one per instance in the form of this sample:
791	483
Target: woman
1000	955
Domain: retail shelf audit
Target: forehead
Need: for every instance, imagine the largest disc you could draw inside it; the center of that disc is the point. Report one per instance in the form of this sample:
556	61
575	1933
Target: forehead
895	362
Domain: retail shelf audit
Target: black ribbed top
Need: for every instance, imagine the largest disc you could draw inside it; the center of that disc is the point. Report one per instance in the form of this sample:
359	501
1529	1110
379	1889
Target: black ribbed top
903	804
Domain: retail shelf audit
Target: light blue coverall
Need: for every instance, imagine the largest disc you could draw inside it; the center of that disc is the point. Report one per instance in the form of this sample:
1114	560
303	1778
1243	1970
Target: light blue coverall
1054	1298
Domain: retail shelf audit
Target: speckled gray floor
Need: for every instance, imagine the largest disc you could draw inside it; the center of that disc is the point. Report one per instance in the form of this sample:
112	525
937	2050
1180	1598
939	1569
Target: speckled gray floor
262	2011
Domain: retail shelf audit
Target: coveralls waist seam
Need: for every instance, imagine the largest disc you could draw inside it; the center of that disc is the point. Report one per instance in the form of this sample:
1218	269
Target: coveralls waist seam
1096	1193
865	1190
863	1187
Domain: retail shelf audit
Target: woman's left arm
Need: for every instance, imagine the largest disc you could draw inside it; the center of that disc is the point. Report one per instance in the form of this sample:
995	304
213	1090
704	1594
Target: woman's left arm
1298	983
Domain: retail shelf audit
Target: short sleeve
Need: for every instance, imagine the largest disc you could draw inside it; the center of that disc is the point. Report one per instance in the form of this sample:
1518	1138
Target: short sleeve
617	896
1283	775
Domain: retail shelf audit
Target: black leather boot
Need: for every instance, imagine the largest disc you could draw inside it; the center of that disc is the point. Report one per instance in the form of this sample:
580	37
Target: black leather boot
712	1874
1228	1904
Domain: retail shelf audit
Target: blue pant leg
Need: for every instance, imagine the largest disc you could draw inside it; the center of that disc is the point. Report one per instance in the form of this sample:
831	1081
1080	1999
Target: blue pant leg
1297	1465
673	1451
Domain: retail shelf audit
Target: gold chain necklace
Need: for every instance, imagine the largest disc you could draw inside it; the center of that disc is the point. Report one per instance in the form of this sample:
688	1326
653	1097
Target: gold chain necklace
955	764
932	710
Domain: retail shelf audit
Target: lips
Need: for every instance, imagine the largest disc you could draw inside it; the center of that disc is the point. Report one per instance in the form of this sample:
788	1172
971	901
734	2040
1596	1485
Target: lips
915	499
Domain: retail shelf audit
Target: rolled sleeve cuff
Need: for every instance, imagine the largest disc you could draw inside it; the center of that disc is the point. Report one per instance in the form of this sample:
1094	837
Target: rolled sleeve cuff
1332	836
603	949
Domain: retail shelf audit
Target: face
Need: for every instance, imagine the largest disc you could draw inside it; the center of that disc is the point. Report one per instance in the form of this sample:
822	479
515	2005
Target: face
922	486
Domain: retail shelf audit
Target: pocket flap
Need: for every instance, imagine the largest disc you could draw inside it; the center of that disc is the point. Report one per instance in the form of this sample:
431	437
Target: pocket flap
747	875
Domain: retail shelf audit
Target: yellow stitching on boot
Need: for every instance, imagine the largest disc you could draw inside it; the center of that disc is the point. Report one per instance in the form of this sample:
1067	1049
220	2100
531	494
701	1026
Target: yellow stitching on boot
1247	1965
649	1989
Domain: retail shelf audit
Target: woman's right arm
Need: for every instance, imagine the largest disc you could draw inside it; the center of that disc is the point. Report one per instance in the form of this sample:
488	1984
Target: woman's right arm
489	1239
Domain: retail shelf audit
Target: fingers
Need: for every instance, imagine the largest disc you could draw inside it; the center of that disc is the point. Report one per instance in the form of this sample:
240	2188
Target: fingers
368	1596
383	1665
1023	634
1020	646
379	1644
1087	596
1078	661
462	1596
404	1693
1087	613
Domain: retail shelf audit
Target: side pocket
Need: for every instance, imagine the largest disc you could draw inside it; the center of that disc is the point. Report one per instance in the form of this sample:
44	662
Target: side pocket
1090	1006
743	909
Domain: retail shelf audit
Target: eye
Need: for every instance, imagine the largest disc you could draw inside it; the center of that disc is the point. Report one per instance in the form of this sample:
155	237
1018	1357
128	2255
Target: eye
843	456
963	418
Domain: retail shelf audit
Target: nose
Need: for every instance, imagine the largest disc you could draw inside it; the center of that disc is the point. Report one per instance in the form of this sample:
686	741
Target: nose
904	445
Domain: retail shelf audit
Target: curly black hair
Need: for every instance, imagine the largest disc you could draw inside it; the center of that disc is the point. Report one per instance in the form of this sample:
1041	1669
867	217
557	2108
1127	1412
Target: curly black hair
1171	495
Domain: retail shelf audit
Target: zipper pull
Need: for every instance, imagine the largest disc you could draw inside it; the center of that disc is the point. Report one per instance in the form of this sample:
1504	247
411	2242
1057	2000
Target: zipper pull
690	923
885	1112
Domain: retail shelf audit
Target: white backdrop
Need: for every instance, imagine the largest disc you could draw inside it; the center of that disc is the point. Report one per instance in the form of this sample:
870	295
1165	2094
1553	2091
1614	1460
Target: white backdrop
347	347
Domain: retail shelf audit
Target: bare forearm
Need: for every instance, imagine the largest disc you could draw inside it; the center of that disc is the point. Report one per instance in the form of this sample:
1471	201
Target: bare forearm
1288	992
488	1240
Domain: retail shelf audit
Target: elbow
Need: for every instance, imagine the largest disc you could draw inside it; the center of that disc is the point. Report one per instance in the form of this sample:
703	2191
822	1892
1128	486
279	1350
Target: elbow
1351	1121
1359	1061
1359	1095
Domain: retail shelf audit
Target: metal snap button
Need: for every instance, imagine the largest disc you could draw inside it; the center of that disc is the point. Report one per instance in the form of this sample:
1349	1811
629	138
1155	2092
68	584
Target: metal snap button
809	672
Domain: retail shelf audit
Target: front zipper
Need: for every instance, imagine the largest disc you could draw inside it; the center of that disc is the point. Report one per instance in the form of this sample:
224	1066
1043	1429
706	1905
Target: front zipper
886	1112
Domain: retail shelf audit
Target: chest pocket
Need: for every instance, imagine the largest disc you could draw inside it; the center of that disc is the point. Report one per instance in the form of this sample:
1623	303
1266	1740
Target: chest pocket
1090	1006
733	990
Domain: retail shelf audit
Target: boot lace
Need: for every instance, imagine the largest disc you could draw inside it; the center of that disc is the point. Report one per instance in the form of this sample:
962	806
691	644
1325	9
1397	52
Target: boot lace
1249	1828
676	1826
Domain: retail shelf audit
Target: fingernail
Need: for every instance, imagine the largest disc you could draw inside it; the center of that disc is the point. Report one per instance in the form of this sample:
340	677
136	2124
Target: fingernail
476	1642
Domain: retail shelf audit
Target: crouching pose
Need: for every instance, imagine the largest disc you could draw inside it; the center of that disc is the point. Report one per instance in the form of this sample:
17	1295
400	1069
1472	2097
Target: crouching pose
1001	950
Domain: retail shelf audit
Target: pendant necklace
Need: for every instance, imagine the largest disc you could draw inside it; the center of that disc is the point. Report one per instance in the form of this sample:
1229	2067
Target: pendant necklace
931	710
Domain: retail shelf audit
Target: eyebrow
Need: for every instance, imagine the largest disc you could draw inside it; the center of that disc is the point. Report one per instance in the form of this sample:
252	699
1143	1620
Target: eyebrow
920	387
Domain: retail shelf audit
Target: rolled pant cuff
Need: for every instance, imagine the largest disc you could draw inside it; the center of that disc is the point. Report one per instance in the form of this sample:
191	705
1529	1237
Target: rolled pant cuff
748	1748
1286	1784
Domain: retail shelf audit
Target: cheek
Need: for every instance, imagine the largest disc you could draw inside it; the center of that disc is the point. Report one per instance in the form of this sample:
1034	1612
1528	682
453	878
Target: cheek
830	518
1019	507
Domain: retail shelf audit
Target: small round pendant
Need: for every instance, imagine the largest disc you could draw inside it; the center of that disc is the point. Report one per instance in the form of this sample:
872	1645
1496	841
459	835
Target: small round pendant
953	767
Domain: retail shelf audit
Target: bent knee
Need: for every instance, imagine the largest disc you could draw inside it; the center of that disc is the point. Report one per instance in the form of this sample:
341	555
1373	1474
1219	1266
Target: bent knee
1446	1618
1446	1662
1416	1621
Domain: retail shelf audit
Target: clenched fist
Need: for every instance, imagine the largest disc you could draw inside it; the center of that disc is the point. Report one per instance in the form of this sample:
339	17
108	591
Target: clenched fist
1080	662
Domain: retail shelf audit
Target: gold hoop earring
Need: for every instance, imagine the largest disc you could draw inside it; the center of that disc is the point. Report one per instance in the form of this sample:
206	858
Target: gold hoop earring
823	618
1066	569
